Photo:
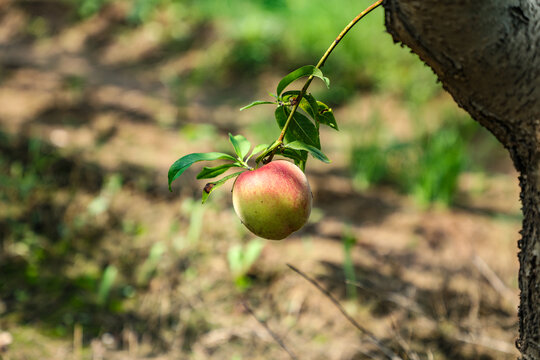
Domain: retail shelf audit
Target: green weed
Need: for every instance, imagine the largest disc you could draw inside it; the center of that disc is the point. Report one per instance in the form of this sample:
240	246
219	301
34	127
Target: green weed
195	211
369	158
440	159
254	36
101	203
105	286
149	268
241	258
86	8
427	166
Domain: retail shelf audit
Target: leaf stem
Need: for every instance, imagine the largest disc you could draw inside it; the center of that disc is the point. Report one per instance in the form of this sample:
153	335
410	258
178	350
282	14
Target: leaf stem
271	151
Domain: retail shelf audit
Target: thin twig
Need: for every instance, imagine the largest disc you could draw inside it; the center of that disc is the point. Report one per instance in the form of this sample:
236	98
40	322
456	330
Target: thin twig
413	306
411	355
495	281
384	349
272	334
365	353
487	342
393	297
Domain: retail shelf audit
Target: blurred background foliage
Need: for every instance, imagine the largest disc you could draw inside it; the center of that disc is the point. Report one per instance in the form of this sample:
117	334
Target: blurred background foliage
89	235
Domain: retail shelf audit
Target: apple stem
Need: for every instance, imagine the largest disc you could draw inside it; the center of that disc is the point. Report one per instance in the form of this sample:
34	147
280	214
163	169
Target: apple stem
270	152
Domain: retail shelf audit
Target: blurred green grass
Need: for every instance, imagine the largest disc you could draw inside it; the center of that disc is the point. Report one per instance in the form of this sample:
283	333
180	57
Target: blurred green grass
250	37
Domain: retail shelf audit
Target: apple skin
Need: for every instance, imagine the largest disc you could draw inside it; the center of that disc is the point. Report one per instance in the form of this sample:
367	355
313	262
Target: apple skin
274	200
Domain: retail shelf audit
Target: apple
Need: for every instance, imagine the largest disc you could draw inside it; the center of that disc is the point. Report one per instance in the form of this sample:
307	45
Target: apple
274	200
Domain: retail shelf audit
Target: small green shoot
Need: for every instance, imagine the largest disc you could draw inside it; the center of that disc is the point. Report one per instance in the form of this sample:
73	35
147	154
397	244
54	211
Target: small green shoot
101	203
150	265
106	284
240	259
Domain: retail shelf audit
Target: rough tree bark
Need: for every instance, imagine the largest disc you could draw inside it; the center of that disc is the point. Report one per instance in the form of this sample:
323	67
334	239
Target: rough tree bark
486	53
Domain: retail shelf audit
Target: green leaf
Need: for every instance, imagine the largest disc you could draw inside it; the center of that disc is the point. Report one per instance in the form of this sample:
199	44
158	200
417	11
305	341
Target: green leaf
293	153
288	94
252	253
299	156
325	116
281	115
107	281
185	162
210	172
300	128
308	70
210	187
241	145
316	153
255	103
310	106
258	149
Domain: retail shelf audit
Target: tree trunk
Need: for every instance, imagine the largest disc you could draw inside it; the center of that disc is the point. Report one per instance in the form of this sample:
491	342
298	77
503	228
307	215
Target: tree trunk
486	53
